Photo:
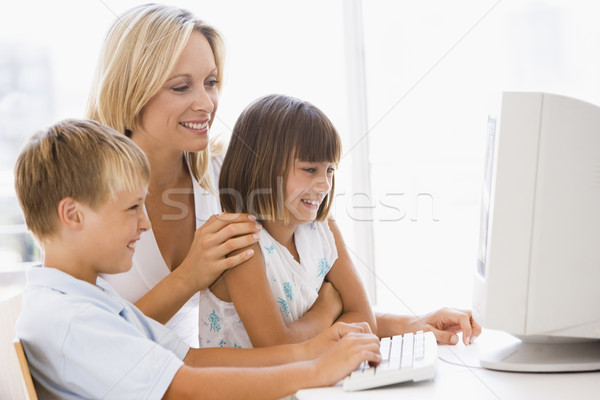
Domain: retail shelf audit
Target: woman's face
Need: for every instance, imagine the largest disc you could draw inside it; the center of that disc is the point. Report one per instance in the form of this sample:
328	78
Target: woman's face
179	116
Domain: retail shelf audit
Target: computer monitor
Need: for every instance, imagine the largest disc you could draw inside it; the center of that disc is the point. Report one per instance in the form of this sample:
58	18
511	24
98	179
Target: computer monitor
538	272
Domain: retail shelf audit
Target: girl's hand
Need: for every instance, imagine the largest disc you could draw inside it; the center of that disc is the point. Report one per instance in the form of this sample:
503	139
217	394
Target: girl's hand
446	322
221	235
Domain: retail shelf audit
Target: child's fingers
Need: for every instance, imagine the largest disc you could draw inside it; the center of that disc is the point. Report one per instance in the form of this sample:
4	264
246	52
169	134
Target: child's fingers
368	340
341	329
368	350
361	348
348	353
366	328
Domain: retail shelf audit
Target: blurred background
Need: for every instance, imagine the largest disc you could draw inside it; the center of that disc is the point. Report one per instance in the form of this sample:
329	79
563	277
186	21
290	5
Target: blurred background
408	84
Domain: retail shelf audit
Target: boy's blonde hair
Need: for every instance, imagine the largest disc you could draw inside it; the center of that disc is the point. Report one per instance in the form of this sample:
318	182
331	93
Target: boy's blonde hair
138	56
81	159
268	134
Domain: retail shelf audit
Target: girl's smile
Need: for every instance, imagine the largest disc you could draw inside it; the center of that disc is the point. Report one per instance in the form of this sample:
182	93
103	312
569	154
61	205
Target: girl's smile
307	185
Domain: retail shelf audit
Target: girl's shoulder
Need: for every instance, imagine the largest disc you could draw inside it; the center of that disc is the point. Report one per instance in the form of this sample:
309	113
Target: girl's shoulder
316	235
315	228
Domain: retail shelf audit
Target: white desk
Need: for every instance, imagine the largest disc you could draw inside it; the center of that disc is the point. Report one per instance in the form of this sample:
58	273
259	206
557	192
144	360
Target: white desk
474	383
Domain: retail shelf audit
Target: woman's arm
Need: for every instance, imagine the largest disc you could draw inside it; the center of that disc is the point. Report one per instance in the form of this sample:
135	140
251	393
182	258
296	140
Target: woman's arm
253	299
205	262
345	278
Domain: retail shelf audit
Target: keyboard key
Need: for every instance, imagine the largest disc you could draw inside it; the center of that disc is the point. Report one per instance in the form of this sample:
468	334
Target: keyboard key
407	351
417	352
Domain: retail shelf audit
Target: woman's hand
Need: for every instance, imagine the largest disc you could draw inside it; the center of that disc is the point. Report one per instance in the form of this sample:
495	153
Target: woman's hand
209	255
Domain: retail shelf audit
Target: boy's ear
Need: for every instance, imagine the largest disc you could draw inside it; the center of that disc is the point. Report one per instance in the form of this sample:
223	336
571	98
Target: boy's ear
70	213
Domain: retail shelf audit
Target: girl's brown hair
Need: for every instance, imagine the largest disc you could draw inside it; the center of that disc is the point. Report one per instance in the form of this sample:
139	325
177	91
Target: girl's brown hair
271	132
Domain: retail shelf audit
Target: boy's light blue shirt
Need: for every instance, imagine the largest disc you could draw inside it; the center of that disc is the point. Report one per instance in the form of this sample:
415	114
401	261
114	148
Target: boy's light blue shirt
84	341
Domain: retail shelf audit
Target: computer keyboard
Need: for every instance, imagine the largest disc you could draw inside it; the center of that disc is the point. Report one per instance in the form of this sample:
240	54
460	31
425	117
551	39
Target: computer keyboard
410	357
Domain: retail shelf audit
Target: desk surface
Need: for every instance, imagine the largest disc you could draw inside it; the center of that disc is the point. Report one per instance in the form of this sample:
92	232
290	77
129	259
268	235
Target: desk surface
459	376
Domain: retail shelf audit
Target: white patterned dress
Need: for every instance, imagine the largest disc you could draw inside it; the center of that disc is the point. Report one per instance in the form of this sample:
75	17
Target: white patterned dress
294	285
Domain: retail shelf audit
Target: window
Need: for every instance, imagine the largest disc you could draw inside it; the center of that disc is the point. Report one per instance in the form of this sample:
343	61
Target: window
434	72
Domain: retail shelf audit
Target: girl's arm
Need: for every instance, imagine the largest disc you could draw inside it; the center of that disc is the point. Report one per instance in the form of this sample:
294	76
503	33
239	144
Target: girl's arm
345	278
445	323
205	261
251	294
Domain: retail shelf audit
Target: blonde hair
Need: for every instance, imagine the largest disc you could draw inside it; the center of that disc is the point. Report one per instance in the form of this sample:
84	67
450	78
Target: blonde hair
139	53
81	159
268	134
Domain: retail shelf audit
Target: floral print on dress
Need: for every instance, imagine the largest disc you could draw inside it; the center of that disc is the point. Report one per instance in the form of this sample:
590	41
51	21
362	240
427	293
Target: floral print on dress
289	291
284	308
324	267
269	249
294	285
215	321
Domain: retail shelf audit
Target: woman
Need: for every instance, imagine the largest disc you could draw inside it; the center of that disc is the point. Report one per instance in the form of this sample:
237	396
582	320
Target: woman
158	82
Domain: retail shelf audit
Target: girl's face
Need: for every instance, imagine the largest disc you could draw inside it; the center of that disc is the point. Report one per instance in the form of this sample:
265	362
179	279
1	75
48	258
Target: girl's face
307	184
179	116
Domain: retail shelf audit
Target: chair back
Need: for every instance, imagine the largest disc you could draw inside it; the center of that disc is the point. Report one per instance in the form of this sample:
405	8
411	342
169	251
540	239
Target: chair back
25	374
13	380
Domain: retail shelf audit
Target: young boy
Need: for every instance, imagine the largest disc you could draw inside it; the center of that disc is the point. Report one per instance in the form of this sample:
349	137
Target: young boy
82	187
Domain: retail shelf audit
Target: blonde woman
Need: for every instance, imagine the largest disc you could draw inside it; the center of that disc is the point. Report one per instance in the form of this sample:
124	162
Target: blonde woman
158	82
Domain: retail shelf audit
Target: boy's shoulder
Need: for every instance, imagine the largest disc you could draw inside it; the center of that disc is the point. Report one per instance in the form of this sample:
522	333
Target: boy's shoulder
66	325
61	289
52	299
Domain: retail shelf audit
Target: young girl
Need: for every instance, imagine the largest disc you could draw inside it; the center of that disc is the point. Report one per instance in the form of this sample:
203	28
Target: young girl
280	168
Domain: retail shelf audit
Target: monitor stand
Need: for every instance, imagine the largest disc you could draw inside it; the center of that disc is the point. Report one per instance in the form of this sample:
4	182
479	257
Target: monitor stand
545	356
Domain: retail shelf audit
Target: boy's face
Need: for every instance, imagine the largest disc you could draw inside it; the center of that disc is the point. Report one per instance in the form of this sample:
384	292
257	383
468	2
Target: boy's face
111	231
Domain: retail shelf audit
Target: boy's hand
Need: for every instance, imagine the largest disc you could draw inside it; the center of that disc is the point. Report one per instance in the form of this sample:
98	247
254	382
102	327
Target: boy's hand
221	235
328	338
345	356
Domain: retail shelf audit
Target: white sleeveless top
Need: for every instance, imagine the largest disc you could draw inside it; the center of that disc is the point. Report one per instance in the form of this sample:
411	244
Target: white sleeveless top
149	267
294	285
